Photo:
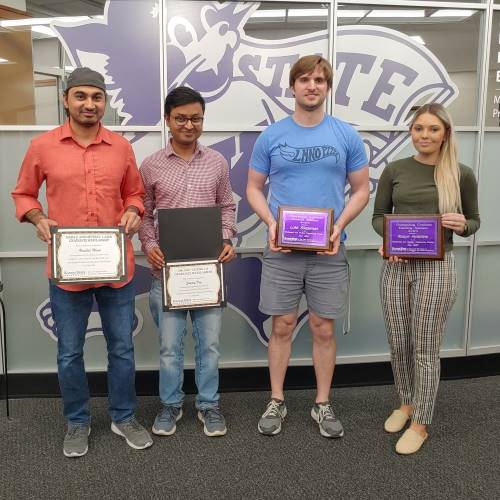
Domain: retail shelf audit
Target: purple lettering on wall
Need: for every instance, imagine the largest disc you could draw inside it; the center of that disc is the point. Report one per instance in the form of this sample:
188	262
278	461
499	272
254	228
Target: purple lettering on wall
383	86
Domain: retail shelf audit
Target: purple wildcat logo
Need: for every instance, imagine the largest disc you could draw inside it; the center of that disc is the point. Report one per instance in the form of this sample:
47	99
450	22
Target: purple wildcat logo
245	83
125	48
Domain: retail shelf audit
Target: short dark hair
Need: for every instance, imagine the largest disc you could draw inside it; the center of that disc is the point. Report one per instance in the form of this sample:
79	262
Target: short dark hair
181	96
307	64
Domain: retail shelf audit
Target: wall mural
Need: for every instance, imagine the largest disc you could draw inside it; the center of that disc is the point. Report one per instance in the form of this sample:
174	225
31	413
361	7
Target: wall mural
245	83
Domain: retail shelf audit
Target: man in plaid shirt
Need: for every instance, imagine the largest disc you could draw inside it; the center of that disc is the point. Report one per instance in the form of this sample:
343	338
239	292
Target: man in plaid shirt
186	174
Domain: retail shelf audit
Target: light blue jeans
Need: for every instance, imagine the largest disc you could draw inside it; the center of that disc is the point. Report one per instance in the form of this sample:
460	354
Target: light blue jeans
171	325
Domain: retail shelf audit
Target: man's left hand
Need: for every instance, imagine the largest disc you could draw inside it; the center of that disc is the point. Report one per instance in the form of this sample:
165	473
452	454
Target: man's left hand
335	239
131	221
227	253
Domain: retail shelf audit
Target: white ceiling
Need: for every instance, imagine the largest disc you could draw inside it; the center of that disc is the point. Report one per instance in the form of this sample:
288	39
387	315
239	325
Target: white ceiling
42	8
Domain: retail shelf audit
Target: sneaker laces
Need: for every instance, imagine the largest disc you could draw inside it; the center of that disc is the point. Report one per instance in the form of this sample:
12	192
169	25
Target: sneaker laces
76	429
326	412
273	409
213	415
133	425
168	413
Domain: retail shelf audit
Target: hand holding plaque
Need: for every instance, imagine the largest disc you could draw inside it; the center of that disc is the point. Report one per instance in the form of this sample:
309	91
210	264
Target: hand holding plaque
413	237
300	228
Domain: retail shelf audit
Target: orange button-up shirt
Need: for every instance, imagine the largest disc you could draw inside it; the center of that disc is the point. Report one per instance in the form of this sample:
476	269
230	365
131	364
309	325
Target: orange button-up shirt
86	186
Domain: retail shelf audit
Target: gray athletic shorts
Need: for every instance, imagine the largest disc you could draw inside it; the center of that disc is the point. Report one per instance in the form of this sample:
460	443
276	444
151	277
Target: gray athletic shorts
323	278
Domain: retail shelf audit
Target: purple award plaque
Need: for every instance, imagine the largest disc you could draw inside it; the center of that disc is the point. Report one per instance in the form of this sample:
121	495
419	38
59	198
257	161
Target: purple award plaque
413	237
304	228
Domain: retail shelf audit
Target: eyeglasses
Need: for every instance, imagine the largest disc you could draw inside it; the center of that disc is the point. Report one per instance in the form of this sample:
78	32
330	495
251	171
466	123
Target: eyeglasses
182	120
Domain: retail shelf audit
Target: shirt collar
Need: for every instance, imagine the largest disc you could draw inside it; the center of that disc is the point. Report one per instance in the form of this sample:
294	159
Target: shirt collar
103	134
199	149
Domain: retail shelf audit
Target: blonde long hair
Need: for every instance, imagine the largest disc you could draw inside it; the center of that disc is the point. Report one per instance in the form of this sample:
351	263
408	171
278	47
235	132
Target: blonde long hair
446	171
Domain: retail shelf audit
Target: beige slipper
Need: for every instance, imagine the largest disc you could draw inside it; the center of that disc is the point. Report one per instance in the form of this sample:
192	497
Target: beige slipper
396	421
410	442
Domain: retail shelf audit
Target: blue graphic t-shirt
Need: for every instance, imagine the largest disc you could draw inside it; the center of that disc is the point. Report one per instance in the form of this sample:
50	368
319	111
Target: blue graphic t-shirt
308	166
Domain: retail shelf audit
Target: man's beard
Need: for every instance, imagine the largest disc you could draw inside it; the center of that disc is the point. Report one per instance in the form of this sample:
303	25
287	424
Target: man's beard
312	107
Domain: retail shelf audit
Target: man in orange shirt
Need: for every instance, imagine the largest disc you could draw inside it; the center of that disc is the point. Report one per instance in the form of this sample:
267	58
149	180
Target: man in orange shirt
91	180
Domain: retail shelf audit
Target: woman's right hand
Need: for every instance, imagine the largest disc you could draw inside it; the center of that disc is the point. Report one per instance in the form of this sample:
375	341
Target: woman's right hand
392	258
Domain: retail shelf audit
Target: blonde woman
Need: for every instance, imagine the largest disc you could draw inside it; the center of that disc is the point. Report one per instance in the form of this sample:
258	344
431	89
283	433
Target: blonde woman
417	295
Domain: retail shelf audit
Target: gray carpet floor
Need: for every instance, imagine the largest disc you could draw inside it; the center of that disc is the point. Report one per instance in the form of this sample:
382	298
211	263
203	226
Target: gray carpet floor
459	460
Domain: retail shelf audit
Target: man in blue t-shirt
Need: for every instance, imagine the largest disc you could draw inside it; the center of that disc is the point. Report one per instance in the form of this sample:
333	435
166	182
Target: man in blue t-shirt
308	158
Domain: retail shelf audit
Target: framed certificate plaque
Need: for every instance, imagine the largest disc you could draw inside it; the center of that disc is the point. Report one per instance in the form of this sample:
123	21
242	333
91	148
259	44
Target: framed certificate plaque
413	236
193	284
300	228
88	254
191	241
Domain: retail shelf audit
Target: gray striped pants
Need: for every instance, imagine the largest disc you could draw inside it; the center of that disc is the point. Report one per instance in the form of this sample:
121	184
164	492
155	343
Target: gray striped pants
417	297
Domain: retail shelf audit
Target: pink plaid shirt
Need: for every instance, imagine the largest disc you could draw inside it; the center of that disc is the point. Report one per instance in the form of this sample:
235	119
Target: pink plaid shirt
171	182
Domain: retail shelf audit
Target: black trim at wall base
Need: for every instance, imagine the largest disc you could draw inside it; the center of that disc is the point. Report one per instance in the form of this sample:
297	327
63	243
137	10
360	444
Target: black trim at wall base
255	379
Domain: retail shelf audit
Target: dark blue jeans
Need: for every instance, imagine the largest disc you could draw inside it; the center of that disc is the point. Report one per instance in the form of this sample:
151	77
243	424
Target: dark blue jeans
71	311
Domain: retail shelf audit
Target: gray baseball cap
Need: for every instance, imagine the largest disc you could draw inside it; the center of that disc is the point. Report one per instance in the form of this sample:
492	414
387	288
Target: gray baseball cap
85	77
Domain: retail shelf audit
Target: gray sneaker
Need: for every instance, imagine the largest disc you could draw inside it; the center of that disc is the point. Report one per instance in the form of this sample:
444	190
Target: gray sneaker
134	433
76	440
165	420
270	422
213	420
329	424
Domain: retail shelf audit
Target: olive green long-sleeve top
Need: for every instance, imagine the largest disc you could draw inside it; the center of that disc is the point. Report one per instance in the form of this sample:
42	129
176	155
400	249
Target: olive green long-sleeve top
407	187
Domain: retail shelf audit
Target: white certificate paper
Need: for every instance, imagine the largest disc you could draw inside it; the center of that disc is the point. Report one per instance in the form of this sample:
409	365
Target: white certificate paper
193	284
88	255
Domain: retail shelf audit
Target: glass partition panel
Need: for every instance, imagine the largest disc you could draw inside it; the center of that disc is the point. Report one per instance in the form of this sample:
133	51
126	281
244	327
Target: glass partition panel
32	348
237	148
21	237
391	59
488	188
32	334
459	1
238	55
485	311
38	53
492	111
